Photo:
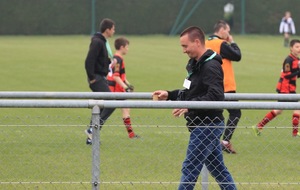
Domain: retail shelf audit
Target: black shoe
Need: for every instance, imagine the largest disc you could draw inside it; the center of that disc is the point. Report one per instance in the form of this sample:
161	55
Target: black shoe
89	141
227	147
88	132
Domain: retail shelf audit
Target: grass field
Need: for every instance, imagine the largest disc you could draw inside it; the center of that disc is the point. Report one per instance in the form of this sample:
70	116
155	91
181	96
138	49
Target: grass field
47	145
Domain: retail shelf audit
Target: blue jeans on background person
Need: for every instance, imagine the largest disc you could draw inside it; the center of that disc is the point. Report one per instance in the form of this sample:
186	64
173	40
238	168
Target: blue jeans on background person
205	148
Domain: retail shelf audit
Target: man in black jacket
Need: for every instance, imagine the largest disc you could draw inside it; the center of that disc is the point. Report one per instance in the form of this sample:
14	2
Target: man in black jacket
204	82
97	66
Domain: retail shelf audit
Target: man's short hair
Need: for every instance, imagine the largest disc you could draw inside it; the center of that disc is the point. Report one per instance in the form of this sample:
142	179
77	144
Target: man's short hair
220	24
293	42
121	41
194	32
106	24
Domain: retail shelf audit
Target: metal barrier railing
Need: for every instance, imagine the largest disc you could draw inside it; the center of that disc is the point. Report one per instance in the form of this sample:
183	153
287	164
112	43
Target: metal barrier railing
134	95
6	102
147	104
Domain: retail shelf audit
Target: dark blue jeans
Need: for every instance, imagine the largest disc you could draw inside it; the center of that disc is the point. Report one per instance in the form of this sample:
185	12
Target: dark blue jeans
205	148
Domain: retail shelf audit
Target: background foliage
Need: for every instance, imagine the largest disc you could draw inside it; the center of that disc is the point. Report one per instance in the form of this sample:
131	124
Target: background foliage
32	17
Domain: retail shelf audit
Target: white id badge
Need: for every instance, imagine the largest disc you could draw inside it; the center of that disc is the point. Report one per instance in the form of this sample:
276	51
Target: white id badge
187	83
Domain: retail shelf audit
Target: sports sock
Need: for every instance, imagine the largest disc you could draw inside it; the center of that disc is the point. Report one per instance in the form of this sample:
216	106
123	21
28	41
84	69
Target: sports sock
268	117
127	123
295	121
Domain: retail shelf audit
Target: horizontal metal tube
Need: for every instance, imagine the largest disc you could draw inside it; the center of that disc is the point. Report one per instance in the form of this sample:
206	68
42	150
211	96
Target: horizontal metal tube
75	95
134	95
147	104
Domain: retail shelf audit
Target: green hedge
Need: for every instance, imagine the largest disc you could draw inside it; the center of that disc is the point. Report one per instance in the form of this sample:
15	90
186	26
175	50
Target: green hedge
32	17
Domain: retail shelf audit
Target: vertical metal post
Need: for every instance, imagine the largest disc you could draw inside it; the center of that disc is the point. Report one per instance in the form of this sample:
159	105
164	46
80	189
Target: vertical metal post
243	9
95	147
188	16
204	178
93	16
178	17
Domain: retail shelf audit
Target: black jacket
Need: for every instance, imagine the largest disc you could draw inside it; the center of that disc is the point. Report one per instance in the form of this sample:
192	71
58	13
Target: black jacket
229	51
206	76
97	61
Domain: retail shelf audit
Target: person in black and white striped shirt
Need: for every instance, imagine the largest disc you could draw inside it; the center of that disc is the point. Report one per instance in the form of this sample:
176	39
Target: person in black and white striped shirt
287	27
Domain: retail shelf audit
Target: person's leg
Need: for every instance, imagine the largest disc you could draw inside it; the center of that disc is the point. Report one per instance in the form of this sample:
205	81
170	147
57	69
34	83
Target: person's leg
127	123
295	122
100	85
215	163
216	166
197	151
233	119
286	39
268	117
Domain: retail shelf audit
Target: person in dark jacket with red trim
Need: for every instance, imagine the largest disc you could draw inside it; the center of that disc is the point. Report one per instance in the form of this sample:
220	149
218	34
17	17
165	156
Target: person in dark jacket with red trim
97	66
204	82
286	85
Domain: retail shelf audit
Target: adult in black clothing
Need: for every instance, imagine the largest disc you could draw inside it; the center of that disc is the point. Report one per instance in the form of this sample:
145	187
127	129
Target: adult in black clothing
204	82
97	66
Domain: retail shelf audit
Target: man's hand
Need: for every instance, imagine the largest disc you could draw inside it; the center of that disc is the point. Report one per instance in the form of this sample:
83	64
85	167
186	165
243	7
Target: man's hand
128	89
160	95
131	87
179	112
229	39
